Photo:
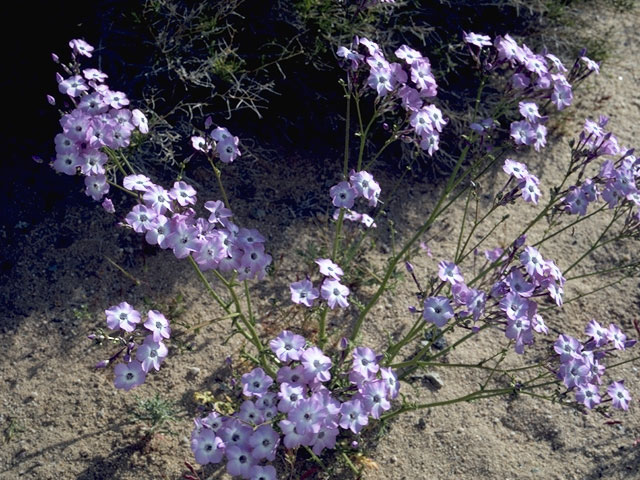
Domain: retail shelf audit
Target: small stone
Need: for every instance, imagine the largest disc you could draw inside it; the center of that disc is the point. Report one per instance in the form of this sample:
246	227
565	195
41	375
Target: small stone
193	371
393	459
434	379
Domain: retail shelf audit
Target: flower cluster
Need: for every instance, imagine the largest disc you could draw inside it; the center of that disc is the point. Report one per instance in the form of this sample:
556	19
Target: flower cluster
534	77
304	293
219	141
297	409
167	219
408	81
149	354
344	194
100	119
581	368
527	184
616	181
513	293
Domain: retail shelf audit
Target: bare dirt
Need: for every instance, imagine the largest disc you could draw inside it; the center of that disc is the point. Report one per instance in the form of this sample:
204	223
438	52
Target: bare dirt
62	419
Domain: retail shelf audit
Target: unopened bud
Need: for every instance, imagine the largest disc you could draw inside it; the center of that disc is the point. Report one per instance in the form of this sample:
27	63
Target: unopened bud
55	58
409	267
102	364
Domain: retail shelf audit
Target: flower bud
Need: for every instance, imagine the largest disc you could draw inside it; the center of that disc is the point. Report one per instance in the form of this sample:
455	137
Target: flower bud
51	100
55	58
344	343
59	78
102	364
409	267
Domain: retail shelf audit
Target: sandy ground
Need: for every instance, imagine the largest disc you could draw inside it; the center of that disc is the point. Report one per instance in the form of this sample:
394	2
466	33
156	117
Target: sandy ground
62	419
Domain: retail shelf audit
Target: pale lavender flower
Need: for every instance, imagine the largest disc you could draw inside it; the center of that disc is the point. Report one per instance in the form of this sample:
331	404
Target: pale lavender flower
239	461
250	414
477	39
519	329
334	293
449	272
129	375
437	310
365	362
107	204
343	195
141	218
260	472
329	269
588	395
292	438
158	325
619	395
290	395
568	348
207	447
256	383
122	316
303	292
183	193
151	353
316	365
374	398
353	416
408	54
616	336
97	186
81	47
307	415
287	346
264	442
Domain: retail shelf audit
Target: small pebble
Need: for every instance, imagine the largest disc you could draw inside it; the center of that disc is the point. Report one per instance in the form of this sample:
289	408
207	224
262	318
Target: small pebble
434	379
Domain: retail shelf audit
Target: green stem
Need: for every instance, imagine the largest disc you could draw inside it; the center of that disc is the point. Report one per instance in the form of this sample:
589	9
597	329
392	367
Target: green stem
208	286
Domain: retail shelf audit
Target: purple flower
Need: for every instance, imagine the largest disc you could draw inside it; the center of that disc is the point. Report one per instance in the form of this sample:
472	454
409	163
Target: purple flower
81	47
235	433
532	262
292	438
151	353
477	39
183	193
390	377
353	416
365	362
522	133
354	57
287	346
140	183
408	54
256	383
239	461
449	272
588	395
437	310
158	325
107	204
515	169
365	186
529	189
616	336
157	198
263	443
374	395
598	334
259	472
518	284
207	447
343	195
316	365
307	415
519	329
290	395
218	211
574	372
122	316
303	292
250	414
293	376
329	269
514	306
568	348
97	186
619	395
334	293
325	438
141	218
129	375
